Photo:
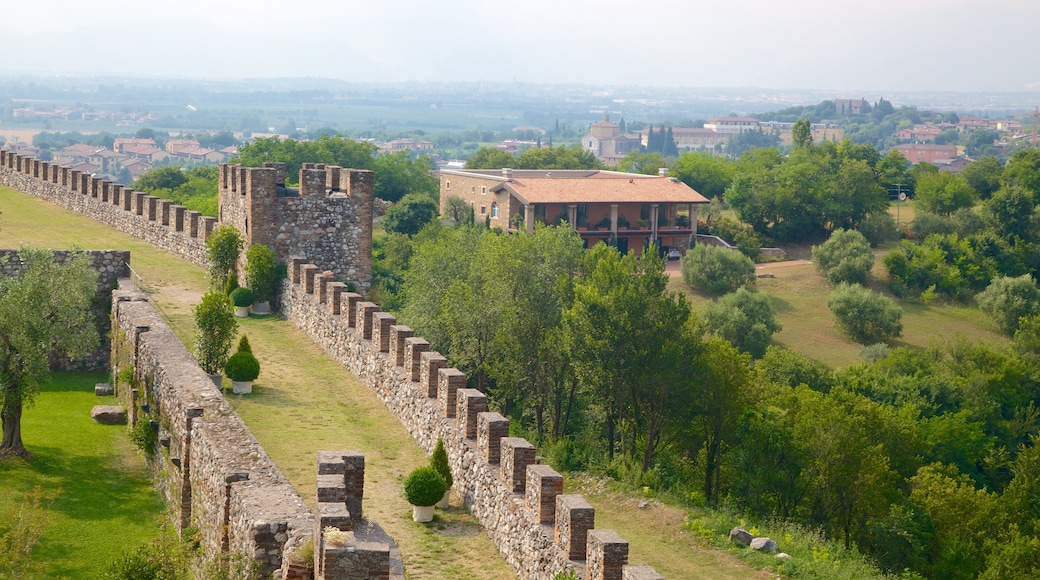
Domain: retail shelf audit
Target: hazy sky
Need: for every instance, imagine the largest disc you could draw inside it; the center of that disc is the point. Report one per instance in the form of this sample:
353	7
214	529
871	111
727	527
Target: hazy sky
960	45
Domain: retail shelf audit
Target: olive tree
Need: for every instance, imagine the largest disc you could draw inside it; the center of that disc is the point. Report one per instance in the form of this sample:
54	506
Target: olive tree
865	315
1007	299
745	319
717	271
845	257
43	311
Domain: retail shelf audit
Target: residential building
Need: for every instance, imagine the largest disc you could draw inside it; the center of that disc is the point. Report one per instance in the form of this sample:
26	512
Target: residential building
407	145
821	132
120	145
692	139
732	125
919	133
851	106
626	209
606	142
918	152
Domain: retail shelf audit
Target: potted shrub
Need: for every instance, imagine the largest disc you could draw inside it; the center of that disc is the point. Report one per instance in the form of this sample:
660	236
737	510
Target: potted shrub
242	368
423	488
263	275
643	224
242	298
603	224
223	248
683	221
622	222
215	330
439	462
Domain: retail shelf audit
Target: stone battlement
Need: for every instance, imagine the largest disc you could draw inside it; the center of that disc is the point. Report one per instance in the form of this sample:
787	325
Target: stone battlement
539	530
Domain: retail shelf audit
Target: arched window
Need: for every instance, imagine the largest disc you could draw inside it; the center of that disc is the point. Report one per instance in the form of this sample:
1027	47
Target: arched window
494	209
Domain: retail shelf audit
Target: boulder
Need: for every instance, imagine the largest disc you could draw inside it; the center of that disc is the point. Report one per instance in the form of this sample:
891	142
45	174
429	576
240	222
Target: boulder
740	536
784	556
103	390
764	545
108	414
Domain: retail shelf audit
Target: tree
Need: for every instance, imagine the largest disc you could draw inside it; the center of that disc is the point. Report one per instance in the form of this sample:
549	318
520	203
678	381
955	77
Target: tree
745	319
1006	300
717	271
411	214
1011	213
397	175
490	158
223	247
983	175
456	208
1023	169
801	133
709	175
865	315
943	193
44	311
845	257
262	272
643	163
160	178
215	330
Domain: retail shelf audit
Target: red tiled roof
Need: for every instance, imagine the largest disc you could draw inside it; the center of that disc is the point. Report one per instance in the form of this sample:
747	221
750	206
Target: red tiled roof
601	187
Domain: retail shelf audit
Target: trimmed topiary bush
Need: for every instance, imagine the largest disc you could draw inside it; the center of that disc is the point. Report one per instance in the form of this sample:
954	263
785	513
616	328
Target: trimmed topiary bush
424	487
242	297
242	366
439	461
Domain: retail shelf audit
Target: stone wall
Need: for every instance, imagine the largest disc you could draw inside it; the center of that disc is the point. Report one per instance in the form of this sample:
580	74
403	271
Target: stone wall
159	222
211	471
110	266
538	531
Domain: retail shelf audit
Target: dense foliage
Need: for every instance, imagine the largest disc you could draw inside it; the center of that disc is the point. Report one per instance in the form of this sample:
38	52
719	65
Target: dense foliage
716	271
424	486
223	248
845	257
745	319
865	315
215	330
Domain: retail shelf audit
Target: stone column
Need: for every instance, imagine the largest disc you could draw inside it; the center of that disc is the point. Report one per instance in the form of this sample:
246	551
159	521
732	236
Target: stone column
543	485
471	403
491	428
517	454
574	518
607	555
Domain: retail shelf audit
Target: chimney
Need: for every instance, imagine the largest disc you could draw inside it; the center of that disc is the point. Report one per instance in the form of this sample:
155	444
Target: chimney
662	172
507	173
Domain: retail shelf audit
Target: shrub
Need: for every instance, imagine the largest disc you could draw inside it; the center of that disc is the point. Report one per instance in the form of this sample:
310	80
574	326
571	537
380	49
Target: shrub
144	436
215	329
879	228
717	271
745	319
1006	300
439	461
223	247
424	487
242	297
845	257
262	272
865	315
242	366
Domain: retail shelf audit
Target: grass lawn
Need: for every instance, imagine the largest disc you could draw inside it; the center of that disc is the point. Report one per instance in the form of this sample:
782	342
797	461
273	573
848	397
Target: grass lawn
106	502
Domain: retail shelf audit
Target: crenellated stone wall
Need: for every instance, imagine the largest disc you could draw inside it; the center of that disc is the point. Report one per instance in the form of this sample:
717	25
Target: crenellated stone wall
328	218
209	468
539	531
159	222
110	266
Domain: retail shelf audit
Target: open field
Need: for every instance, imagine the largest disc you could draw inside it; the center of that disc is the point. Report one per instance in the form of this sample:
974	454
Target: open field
305	402
105	501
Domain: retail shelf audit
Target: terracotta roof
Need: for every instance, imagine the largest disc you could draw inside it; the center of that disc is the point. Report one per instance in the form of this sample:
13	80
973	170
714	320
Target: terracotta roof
596	187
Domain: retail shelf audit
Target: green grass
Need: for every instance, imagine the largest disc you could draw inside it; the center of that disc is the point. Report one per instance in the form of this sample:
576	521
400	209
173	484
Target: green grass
106	502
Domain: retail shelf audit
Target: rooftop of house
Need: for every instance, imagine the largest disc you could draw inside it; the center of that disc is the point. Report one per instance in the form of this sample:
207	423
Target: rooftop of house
587	186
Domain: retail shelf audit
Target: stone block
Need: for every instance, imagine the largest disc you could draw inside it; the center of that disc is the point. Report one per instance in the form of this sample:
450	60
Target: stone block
471	402
607	555
334	514
430	363
449	381
307	273
350	312
336	291
544	484
194	220
140	199
108	414
640	572
296	268
413	349
574	518
321	283
381	323
332	488
491	428
399	333
103	390
517	453
365	311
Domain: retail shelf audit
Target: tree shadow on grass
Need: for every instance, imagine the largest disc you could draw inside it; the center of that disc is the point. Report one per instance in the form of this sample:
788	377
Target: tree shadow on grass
73	382
780	306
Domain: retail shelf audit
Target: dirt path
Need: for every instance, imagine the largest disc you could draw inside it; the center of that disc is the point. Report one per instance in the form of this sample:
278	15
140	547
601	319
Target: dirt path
672	268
